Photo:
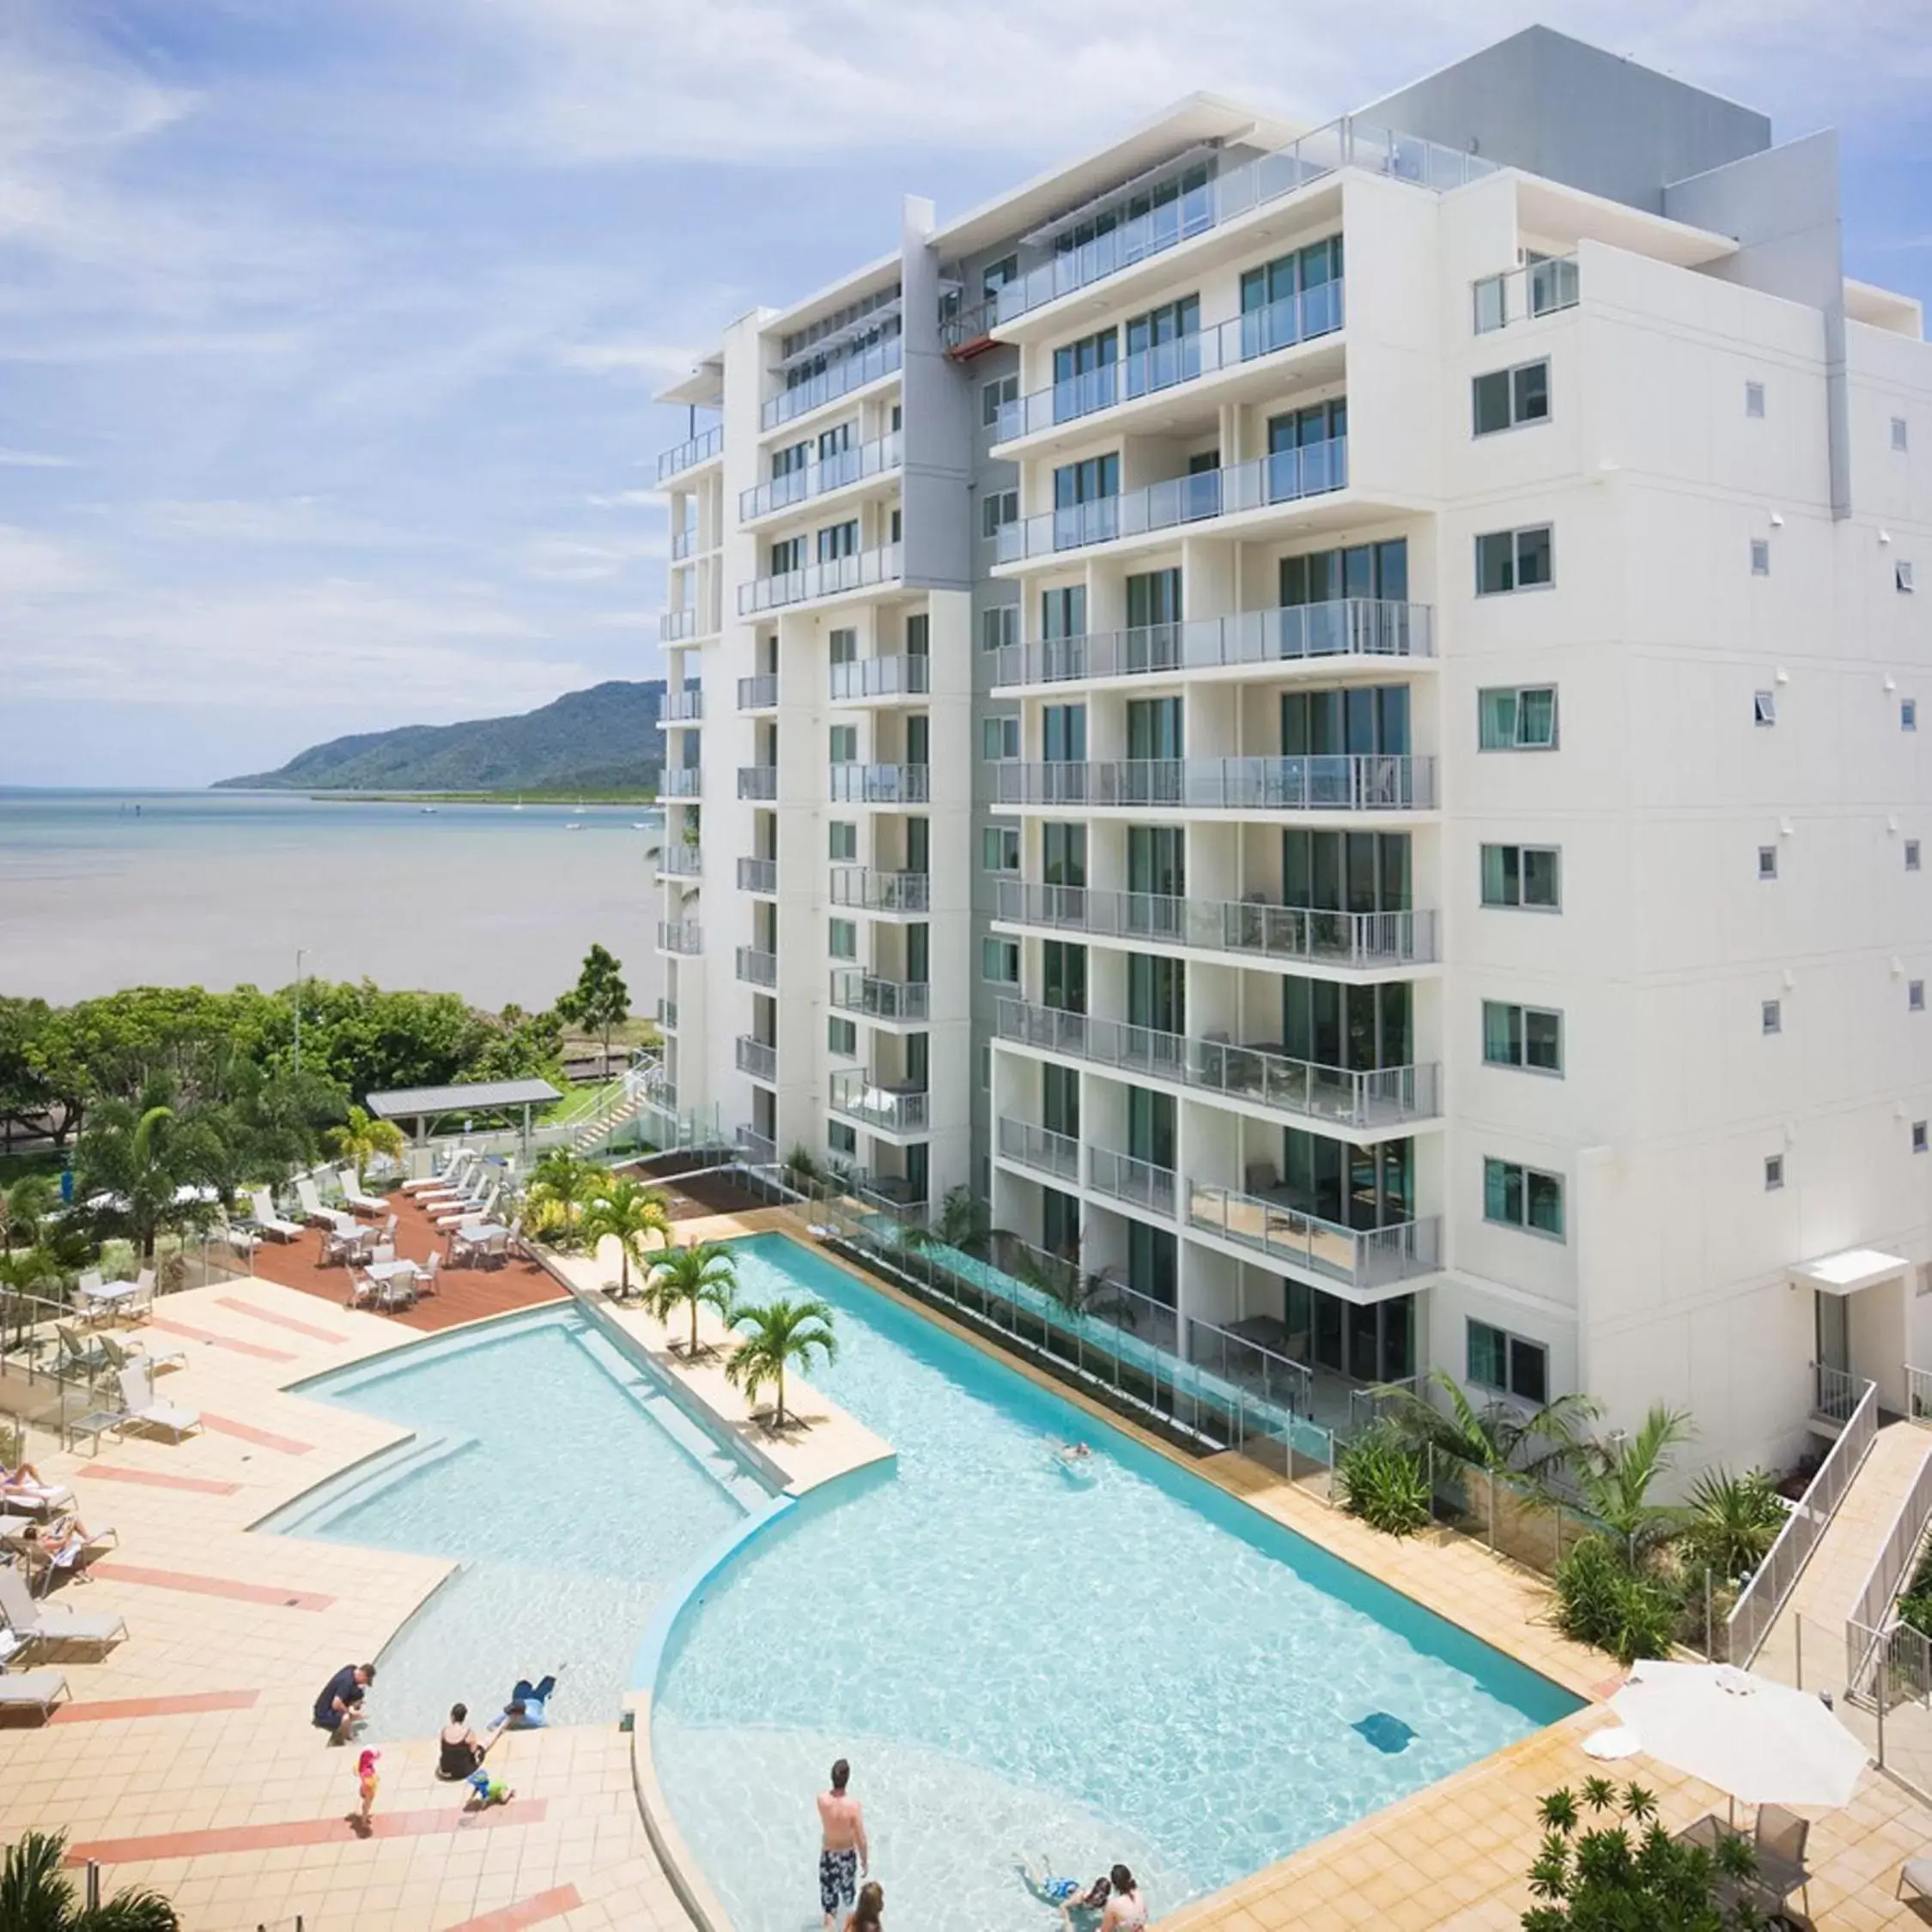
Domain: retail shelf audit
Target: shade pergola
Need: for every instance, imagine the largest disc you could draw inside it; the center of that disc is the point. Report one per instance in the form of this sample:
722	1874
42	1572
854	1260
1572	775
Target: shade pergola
422	1105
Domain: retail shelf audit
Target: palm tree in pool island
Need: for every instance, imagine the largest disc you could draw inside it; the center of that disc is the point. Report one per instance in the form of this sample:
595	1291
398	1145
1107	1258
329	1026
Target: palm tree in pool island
628	1212
779	1334
702	1275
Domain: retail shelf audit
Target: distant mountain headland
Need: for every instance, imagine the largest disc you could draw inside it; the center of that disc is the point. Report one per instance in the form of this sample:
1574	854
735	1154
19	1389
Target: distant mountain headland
606	739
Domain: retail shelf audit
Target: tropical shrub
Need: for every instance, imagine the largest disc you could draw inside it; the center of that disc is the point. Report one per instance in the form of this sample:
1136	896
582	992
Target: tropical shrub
1385	1482
1734	1522
1615	1479
38	1895
1604	1601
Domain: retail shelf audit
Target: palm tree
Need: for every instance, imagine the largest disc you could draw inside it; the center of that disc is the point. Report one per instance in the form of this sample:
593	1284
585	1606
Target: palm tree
782	1333
23	1208
143	1157
559	1185
36	1895
363	1137
703	1273
627	1212
1497	1438
963	1223
1616	1478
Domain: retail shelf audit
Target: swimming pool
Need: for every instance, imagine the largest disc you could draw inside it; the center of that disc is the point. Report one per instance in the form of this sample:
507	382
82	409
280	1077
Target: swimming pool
1134	1666
574	1491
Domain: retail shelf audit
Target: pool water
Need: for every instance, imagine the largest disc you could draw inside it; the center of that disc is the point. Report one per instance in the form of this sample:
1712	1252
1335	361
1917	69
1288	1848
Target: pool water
1131	1666
574	1493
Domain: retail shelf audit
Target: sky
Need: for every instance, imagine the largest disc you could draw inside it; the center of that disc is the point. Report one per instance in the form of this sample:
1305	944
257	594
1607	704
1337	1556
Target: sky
329	328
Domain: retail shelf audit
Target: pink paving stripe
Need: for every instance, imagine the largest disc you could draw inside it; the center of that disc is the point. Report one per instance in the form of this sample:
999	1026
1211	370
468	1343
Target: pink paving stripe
261	1354
159	1478
114	1709
306	1831
213	1586
526	1911
262	1438
287	1321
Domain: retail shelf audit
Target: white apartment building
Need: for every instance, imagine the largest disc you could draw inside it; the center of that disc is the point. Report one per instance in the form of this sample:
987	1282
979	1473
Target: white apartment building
1327	719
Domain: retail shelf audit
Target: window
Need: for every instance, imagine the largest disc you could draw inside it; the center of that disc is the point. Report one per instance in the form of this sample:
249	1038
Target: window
787	555
843	840
841	1139
994	396
1902	574
1522	719
1908	715
1911	855
842	1037
999	738
995	276
1754	398
999	626
1898	436
1508	1363
985	1069
1760	556
997	507
1000	848
1764	708
1521	875
1528	1036
842	938
1767	861
1000	961
1522	1197
1770	1017
1774	1173
1914	996
1918	1137
844	742
1508	399
1512	559
838	540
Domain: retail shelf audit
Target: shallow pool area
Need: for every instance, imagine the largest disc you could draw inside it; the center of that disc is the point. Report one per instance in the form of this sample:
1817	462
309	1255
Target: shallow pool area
574	1493
1124	1664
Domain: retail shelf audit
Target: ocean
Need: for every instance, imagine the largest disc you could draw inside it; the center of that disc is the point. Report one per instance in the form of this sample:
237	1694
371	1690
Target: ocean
104	890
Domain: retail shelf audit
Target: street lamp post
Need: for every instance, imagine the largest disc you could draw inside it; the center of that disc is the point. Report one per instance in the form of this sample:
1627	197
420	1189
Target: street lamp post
299	952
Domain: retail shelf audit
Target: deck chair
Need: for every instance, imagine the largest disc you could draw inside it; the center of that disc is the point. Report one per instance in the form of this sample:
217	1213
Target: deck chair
19	1492
477	1211
268	1221
460	1179
141	1303
449	1165
138	1400
41	1623
121	1355
357	1200
1780	1839
85	1356
43	1690
310	1198
425	1275
75	1558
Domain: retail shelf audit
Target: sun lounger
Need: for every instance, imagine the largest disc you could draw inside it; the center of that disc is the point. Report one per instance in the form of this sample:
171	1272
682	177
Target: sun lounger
356	1200
448	1167
471	1211
268	1221
20	1493
459	1180
33	1690
42	1623
75	1558
310	1198
137	1395
81	1356
121	1355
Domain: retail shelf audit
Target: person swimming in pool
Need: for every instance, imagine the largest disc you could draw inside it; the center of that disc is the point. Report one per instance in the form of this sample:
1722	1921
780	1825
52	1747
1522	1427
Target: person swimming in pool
1066	1895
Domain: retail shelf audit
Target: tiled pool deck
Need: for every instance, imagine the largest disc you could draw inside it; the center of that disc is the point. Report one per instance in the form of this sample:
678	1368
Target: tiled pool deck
188	1762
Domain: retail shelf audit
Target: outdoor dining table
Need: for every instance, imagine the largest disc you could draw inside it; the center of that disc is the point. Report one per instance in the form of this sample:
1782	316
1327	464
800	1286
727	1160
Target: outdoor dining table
109	1296
386	1272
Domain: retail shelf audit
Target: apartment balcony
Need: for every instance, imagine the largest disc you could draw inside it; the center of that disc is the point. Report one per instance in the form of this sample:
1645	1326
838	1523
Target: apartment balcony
1167	366
681	782
1263	641
759	1150
836	577
880	785
757	1059
880	680
756	967
667	1015
684	545
758	694
1358	1258
881	892
1341	782
676	625
855	991
679	860
683	707
758	875
1260	1074
688	456
682	936
896	1109
1122	1178
1246	928
757	781
1040	1148
1287	476
837	379
830	473
1537	289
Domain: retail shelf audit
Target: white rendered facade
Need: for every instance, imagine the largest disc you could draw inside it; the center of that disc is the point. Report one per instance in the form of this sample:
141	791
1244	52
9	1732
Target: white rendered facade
1278	1051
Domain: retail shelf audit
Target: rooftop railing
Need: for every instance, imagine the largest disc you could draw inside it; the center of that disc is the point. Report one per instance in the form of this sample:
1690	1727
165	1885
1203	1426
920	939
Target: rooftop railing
877	891
856	784
1262	332
1357	1257
857	572
689	455
1040	1148
1343	627
756	1058
1304	934
1523	294
756	967
757	875
855	991
839	378
1383	1097
822	476
759	693
1340	782
906	676
1126	1177
889	1110
1286	476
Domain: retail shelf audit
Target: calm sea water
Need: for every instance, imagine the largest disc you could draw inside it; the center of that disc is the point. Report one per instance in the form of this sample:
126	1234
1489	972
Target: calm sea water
103	890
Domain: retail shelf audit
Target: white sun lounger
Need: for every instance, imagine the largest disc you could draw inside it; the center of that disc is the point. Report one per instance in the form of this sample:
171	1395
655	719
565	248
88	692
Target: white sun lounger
358	1202
310	1198
269	1221
460	1178
33	1690
36	1498
448	1166
137	1397
42	1623
472	1210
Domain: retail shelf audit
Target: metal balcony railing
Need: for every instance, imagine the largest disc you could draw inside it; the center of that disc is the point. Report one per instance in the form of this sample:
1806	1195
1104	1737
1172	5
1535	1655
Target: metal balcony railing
679	860
757	781
1284	325
681	782
680	936
757	1059
1302	933
1357	1257
1347	627
887	1109
667	1014
759	1149
877	892
1344	782
757	875
858	571
683	543
1523	294
759	693
676	624
683	707
1286	476
688	456
1386	1096
855	991
756	967
1040	1148
837	379
856	784
1124	1177
822	476
867	677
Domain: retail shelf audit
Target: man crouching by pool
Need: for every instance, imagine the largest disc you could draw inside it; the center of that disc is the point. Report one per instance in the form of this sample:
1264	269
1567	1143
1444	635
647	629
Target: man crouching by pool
842	1854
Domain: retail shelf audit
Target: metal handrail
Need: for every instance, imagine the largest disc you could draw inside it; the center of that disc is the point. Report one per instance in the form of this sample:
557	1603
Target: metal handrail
1363	1257
859	1097
1523	294
856	784
756	967
758	1058
680	860
757	875
757	781
1040	1147
908	675
1126	1177
1340	781
877	892
684	706
681	781
759	693
855	571
686	455
681	936
838	378
856	991
821	477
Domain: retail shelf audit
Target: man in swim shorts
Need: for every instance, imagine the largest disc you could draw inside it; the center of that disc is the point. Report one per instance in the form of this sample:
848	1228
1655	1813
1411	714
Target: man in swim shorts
842	1854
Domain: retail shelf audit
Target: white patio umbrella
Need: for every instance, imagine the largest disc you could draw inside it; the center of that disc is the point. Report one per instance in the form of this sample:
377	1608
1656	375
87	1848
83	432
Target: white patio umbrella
1762	1742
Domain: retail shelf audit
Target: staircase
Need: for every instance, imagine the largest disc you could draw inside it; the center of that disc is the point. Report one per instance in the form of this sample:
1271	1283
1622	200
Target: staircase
619	1103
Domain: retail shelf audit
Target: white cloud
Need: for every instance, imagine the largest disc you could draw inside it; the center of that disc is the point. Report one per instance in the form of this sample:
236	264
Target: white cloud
651	361
582	560
35	568
33	460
